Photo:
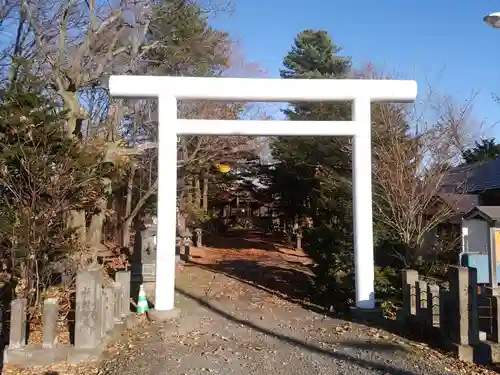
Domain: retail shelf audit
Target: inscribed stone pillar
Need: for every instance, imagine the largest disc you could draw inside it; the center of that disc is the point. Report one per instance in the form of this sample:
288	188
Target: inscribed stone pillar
459	304
422	300
50	318
433	305
88	311
123	278
473	306
17	323
144	257
117	300
410	277
108	310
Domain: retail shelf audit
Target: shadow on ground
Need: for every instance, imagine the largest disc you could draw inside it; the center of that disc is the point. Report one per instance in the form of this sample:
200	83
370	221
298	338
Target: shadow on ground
375	347
296	286
288	283
243	239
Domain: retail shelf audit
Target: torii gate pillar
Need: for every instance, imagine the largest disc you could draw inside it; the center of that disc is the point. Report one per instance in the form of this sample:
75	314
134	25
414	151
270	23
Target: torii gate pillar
170	89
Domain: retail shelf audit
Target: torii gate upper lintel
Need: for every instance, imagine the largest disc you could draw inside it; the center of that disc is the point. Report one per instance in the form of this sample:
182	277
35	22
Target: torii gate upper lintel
170	89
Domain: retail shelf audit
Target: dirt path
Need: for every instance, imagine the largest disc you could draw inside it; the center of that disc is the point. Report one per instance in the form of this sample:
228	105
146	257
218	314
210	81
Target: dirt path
245	311
229	327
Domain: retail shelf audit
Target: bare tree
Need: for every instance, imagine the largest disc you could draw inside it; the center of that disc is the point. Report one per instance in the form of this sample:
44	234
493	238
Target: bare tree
77	44
197	155
414	148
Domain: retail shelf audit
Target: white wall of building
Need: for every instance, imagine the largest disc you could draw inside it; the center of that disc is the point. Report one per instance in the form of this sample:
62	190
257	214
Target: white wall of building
475	234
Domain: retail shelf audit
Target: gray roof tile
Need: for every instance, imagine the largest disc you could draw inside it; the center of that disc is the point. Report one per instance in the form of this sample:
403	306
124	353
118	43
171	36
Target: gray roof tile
473	178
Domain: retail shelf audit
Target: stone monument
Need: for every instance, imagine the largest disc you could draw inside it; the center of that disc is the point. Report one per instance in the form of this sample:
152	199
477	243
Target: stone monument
144	257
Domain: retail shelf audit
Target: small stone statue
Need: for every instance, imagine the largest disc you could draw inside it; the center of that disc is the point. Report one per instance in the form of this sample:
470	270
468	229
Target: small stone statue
187	242
198	232
150	244
187	237
299	240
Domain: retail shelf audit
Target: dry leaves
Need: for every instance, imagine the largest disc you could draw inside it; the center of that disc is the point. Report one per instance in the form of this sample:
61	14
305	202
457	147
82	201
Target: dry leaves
131	346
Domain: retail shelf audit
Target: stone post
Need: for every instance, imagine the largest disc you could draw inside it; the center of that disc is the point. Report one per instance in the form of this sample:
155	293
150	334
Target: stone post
473	305
495	312
117	301
462	322
50	318
108	310
433	305
410	277
198	232
144	256
299	241
444	309
123	278
88	311
17	337
187	242
422	301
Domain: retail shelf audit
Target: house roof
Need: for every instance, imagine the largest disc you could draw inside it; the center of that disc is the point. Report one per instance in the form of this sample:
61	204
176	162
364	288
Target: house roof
488	213
460	203
473	178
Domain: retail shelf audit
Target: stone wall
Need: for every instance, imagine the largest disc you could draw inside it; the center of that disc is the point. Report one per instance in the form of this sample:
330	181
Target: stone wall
102	311
449	316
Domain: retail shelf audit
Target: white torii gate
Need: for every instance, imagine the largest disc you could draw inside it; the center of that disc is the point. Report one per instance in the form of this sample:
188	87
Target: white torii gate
170	89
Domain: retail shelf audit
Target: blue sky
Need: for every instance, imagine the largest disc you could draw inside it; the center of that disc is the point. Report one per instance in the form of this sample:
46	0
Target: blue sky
444	42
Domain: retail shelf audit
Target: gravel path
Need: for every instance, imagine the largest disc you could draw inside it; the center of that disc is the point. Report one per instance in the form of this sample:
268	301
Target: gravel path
228	327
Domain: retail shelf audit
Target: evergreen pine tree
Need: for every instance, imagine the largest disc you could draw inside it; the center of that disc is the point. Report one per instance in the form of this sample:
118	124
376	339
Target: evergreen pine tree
487	149
323	160
314	55
313	173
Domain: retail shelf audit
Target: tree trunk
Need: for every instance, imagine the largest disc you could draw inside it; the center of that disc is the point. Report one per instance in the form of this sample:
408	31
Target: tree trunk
126	228
76	220
205	195
96	226
95	229
130	188
197	192
75	119
117	219
189	190
127	223
181	223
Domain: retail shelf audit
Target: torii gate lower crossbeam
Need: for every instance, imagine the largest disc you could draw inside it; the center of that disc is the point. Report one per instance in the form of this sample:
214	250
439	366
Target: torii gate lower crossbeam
170	89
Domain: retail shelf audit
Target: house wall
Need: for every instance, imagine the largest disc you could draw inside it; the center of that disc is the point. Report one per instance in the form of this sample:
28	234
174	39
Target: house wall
475	235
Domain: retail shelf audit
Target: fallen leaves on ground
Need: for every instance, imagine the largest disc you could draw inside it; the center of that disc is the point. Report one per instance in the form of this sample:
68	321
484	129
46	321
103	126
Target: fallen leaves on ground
264	304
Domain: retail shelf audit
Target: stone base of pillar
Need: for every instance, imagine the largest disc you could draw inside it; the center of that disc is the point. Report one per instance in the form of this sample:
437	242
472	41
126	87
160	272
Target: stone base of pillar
369	315
161	316
463	352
